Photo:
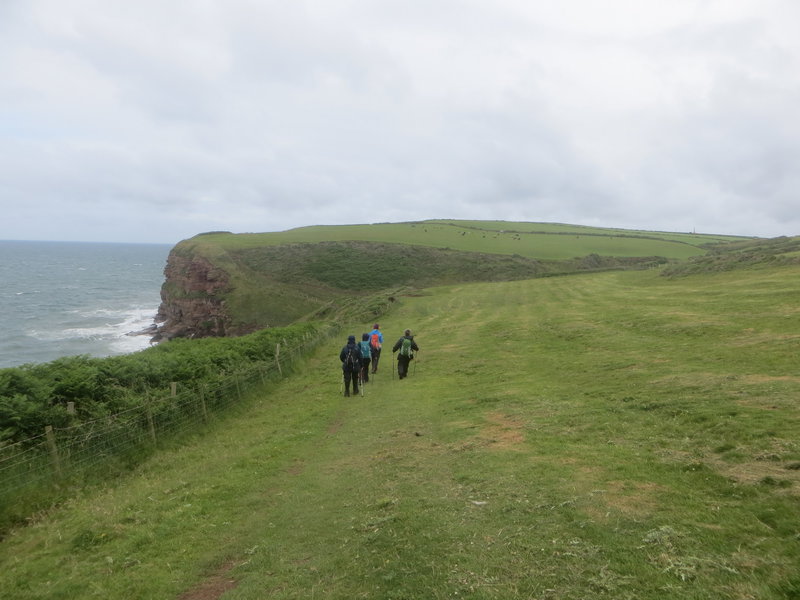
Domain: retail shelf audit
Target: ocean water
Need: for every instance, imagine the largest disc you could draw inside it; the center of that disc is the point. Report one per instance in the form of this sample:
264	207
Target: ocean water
68	298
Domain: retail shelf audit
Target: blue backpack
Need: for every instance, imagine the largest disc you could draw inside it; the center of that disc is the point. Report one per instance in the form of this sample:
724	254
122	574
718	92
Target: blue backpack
366	351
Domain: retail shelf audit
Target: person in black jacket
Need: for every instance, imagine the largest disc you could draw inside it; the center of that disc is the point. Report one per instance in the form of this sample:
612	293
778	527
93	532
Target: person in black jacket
406	346
351	364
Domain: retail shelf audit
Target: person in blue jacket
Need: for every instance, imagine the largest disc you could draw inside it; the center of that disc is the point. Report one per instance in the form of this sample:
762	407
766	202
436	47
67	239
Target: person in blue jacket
375	342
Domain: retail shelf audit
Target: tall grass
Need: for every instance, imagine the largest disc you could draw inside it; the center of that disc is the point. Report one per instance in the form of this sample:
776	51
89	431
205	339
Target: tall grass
615	435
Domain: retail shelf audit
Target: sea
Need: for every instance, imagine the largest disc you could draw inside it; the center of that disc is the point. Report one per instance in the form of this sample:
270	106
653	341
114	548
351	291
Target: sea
77	298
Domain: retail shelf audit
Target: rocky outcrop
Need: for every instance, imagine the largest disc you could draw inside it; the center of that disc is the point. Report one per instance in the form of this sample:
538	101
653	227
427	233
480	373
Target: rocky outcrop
192	298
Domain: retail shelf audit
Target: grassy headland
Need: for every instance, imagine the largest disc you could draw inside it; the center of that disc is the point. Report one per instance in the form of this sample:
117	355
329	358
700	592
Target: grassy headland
533	240
278	278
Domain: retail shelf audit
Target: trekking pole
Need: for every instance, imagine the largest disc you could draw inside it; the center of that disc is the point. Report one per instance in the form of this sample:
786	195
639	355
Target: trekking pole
360	384
416	358
341	385
392	368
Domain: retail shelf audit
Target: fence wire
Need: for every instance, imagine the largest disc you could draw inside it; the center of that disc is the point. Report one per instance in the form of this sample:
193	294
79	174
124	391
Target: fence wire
64	458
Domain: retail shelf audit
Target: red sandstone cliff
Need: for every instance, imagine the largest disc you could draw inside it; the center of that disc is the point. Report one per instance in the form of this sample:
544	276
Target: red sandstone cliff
192	298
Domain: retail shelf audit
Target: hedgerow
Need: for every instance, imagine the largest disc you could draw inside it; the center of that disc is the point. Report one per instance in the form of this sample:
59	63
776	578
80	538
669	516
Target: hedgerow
36	395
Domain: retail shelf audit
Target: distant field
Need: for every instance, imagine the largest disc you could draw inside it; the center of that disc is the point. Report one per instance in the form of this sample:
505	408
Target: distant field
531	240
559	228
609	435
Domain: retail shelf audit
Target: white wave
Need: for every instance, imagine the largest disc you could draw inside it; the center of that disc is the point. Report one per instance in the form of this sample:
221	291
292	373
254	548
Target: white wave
129	343
114	333
138	320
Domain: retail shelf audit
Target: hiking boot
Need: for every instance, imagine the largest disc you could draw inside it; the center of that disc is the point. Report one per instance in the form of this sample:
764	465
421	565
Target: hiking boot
347	393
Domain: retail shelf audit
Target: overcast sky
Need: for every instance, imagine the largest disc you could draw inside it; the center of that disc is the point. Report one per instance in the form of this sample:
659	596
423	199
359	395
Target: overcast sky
155	120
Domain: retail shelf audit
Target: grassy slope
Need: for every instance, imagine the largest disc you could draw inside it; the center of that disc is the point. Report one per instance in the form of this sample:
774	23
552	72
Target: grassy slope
541	241
615	435
561	228
742	254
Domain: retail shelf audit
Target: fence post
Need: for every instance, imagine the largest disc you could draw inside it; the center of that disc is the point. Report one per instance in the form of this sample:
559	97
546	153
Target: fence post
203	402
278	357
51	444
150	422
70	408
173	388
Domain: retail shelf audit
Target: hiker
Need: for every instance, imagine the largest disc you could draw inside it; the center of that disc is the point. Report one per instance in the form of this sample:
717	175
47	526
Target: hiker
351	364
366	357
375	341
406	346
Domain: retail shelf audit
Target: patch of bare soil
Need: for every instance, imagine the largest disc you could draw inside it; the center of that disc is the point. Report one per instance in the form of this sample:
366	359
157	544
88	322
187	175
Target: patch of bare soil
755	378
752	338
626	498
297	467
779	473
769	468
213	586
503	432
336	424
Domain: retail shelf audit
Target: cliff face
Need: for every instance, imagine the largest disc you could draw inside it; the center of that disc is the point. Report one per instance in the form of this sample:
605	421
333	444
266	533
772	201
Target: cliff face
192	300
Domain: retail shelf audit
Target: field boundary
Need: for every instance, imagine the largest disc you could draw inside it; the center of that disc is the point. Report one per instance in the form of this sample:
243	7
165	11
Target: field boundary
44	469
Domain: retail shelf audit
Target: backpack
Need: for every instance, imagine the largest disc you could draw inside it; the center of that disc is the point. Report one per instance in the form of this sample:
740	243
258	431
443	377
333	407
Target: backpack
405	348
375	341
352	362
365	350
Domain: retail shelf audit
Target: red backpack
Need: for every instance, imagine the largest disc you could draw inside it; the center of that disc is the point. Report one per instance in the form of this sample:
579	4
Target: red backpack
375	342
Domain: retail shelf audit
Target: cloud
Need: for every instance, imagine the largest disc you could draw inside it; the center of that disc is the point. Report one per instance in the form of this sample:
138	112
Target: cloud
153	121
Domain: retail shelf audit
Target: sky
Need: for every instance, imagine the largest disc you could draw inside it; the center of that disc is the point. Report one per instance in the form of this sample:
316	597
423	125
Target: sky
155	120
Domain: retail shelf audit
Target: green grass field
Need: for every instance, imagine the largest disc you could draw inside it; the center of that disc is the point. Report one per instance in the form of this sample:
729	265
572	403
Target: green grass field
533	240
610	435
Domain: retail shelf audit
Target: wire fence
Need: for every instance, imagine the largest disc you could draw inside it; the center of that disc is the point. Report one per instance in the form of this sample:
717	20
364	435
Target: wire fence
47	465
